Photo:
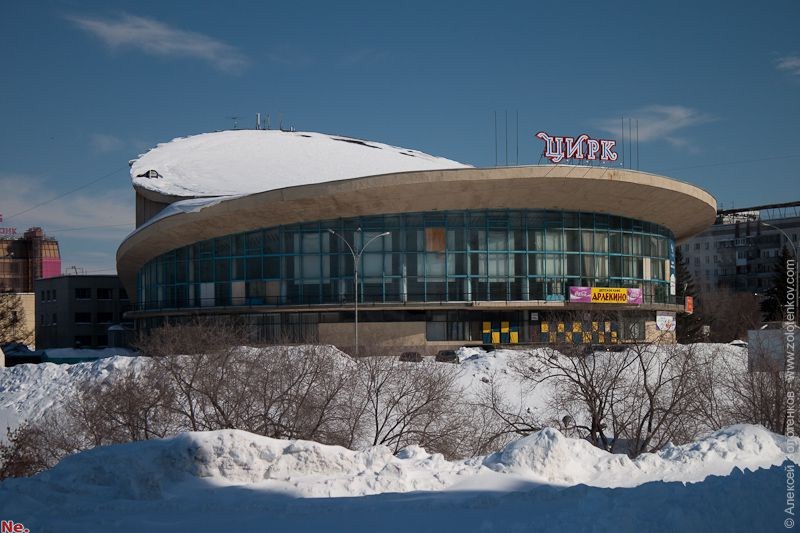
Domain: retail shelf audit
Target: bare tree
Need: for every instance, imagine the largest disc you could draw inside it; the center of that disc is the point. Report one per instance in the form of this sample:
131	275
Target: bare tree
730	314
660	391
749	387
131	407
587	385
496	418
299	393
409	403
35	446
759	393
12	319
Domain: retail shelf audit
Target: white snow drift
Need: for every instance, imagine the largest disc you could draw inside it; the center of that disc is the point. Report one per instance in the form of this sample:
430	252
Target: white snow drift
152	469
227	163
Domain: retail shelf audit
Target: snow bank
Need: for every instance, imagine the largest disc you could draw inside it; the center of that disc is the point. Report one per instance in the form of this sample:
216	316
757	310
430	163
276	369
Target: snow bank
152	469
229	480
548	456
743	501
27	391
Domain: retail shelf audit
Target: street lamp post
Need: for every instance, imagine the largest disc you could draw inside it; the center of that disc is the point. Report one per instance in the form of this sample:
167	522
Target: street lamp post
794	248
356	261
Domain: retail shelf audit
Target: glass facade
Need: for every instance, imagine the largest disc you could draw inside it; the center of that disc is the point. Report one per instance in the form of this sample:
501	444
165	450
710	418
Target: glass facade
447	256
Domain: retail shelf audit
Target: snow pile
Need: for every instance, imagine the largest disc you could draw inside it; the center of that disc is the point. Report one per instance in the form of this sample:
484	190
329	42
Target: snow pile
479	368
152	469
250	161
27	391
550	457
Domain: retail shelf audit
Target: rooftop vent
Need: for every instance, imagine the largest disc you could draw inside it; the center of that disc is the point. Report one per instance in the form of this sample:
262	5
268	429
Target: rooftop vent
355	141
152	174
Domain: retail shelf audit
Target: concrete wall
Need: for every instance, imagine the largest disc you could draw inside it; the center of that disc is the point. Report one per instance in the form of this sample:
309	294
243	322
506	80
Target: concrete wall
147	209
394	336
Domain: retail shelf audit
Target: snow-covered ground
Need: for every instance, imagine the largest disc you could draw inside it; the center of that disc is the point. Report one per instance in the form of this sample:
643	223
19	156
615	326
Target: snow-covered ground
232	480
27	391
224	480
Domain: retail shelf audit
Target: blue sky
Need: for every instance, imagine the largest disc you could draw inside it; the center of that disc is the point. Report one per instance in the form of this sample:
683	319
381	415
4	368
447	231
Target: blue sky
86	86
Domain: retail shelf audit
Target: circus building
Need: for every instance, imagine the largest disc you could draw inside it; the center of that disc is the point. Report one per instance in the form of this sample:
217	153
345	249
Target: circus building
286	231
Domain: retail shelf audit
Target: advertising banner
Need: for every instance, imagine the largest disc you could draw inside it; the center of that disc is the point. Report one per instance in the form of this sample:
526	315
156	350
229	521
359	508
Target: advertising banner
688	306
605	295
672	268
635	296
665	321
581	295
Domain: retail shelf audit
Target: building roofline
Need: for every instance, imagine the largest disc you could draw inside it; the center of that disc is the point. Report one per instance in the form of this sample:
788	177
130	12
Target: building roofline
682	208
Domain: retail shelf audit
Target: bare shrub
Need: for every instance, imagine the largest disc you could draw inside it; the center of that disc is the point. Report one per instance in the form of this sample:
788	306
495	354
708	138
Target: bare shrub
132	407
656	407
200	335
399	404
752	389
496	419
298	393
36	446
588	385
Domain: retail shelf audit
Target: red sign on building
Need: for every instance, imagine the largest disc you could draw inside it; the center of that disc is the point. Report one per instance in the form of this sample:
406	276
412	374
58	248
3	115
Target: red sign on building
582	147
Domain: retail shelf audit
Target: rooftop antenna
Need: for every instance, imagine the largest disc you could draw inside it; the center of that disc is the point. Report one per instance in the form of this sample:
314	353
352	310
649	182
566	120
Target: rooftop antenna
280	121
637	144
258	121
630	144
517	158
495	138
622	129
267	120
235	120
506	137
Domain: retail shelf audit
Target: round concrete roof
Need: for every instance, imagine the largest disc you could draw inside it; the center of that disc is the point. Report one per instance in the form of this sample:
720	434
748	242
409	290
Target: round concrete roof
236	162
678	206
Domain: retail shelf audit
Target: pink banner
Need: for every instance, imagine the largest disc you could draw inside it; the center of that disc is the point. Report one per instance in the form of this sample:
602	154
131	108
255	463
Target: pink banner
51	268
581	295
635	296
605	295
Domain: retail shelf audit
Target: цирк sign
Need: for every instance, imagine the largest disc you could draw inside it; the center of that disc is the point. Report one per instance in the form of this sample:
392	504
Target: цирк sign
582	147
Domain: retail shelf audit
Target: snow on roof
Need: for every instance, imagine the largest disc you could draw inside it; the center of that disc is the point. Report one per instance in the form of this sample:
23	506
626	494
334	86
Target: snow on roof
250	161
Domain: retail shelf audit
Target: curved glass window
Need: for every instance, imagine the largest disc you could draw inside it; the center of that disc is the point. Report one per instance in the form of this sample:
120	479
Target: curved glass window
452	256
